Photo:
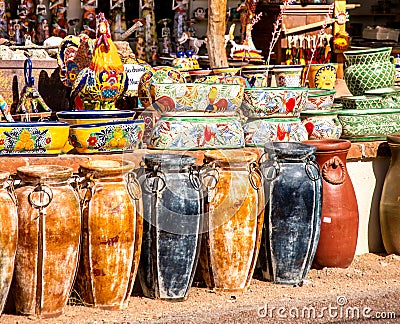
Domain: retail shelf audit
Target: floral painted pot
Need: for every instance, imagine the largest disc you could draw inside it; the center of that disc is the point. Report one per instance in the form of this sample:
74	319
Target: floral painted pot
362	102
226	71
360	78
185	63
321	76
193	133
196	98
115	136
159	74
368	56
257	75
288	75
321	124
259	131
320	99
274	102
371	124
94	116
35	138
212	79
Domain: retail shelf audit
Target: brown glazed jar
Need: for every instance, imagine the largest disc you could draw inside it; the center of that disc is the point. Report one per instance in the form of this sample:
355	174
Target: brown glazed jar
112	228
390	204
8	237
339	219
49	227
234	219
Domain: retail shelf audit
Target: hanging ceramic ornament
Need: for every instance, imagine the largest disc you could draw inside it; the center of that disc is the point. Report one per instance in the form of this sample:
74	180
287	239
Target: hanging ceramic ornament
42	25
118	22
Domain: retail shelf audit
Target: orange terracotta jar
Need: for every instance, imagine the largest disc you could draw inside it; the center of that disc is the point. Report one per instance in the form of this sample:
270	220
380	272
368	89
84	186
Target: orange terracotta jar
111	233
234	219
339	218
49	227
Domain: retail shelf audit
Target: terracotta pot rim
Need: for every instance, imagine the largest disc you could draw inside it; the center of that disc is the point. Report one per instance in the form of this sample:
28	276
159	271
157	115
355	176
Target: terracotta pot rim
37	172
4	176
101	168
230	157
325	145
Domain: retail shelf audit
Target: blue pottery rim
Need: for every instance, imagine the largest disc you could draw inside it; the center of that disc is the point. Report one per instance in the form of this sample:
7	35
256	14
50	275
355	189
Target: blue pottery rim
111	123
34	124
89	114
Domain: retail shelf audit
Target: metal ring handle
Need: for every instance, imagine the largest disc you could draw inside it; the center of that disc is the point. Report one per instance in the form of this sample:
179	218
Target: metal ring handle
133	186
275	166
195	179
29	81
210	171
255	172
311	164
41	189
334	162
149	186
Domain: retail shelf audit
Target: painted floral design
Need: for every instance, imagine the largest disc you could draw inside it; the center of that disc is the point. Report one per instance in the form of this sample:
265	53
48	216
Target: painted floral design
25	141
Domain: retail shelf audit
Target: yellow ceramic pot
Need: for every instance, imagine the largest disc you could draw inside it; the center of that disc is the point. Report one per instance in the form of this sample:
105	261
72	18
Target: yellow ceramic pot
322	76
33	137
94	116
107	137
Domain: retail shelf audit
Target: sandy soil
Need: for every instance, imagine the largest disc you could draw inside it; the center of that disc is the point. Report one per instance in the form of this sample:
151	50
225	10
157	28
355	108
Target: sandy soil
365	283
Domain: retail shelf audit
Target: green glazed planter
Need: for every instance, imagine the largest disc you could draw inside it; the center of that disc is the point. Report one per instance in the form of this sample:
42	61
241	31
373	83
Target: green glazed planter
362	102
368	56
371	124
390	96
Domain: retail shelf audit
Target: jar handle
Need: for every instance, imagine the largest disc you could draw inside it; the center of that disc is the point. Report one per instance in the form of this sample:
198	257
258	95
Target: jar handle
155	181
11	190
133	186
40	197
311	164
207	170
334	162
255	175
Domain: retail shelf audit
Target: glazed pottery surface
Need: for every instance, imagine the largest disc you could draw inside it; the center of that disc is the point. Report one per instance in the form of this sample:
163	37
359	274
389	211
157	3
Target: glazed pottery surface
320	99
173	211
293	190
371	124
94	116
259	131
390	205
213	79
390	96
48	241
321	124
234	218
288	75
196	98
368	56
112	233
339	226
322	76
189	133
362	77
8	238
257	75
117	136
33	138
362	102
159	74
274	102
185	63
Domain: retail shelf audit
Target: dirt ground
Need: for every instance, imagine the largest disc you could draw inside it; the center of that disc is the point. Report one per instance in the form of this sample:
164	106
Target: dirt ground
372	281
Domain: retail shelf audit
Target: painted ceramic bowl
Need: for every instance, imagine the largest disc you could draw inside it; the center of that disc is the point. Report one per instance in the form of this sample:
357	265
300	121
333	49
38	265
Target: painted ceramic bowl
212	79
321	76
259	131
227	71
320	99
368	56
274	102
390	96
159	74
94	116
257	75
371	124
33	138
185	63
321	124
117	136
193	133
361	102
288	75
196	98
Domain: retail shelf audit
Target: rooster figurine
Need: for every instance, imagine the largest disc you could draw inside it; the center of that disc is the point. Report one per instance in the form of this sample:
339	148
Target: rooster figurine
100	84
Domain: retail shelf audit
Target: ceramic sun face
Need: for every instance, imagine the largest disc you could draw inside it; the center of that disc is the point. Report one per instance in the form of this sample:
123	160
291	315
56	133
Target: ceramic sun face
325	77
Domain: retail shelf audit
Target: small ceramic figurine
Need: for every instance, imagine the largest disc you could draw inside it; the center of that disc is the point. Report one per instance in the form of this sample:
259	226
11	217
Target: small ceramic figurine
118	23
150	34
3	20
180	7
166	36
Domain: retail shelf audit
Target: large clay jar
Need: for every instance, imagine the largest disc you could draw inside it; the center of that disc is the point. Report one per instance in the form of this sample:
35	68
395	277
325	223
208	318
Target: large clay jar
390	203
173	213
8	237
293	191
339	226
111	233
49	227
234	219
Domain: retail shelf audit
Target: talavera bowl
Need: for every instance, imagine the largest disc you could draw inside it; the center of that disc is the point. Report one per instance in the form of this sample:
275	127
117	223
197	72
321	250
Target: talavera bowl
274	102
33	138
94	116
196	98
117	136
320	99
370	124
321	124
361	102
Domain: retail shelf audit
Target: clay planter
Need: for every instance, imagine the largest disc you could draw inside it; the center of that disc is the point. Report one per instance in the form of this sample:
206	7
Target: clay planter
8	238
339	225
235	214
173	214
321	124
293	191
390	205
111	233
49	227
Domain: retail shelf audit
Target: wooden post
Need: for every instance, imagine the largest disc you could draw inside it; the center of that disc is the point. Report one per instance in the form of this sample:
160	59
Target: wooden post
216	33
